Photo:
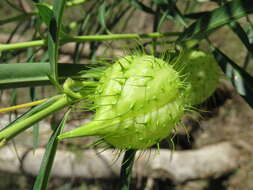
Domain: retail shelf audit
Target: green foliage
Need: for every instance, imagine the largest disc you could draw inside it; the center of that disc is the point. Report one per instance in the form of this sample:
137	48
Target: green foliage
225	14
48	158
240	79
36	62
53	36
44	12
31	74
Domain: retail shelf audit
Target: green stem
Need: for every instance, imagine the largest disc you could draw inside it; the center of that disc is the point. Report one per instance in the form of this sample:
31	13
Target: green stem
117	37
126	169
18	127
75	2
20	45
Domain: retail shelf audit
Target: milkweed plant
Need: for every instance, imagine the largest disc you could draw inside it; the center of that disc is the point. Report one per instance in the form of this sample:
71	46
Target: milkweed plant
138	98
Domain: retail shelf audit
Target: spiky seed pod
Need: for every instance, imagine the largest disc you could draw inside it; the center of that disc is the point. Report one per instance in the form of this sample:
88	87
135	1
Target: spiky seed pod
201	73
137	103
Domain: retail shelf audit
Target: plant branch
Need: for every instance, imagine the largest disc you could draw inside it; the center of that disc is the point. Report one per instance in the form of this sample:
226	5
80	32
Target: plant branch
21	45
36	43
118	37
20	106
19	127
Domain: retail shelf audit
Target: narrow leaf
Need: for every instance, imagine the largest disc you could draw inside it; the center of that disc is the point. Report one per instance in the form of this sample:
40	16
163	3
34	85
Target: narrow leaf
48	158
239	31
177	15
240	79
225	14
139	5
36	131
102	15
34	74
17	128
45	12
36	136
33	111
173	13
14	18
53	37
196	15
249	55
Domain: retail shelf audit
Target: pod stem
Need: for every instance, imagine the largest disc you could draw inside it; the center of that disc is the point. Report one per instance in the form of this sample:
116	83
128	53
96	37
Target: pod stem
19	127
126	169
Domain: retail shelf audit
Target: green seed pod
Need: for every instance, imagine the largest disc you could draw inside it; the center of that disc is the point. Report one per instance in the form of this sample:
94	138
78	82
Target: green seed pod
137	101
201	73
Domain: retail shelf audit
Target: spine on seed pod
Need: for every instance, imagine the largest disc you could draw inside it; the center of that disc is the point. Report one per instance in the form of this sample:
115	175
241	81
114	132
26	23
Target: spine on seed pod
140	98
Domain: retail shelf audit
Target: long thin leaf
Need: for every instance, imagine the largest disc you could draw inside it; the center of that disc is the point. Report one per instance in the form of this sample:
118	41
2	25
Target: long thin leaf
53	37
48	158
32	111
33	74
14	6
44	12
19	127
102	15
249	55
82	29
221	16
36	130
139	5
30	58
239	31
171	10
240	79
196	15
15	18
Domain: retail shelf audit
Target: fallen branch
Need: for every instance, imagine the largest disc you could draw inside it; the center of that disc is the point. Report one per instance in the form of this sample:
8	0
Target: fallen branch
179	166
